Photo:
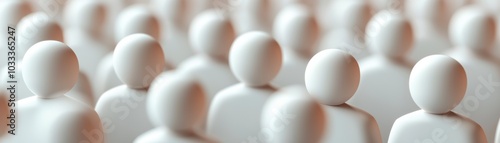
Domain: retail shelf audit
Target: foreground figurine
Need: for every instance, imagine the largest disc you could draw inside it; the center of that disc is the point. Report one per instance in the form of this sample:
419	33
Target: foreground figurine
292	116
123	108
437	85
235	112
332	77
178	105
50	71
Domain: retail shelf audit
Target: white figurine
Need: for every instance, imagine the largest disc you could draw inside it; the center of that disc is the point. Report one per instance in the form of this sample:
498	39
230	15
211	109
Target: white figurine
134	19
332	77
211	36
297	31
472	32
428	22
11	12
346	28
82	91
235	113
51	70
249	15
437	84
292	116
178	105
123	108
84	23
172	15
32	29
389	45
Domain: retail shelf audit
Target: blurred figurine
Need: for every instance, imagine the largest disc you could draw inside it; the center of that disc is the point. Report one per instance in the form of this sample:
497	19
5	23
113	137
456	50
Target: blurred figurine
178	105
50	71
437	85
235	113
123	108
332	77
389	45
292	116
428	23
11	12
472	32
250	15
296	31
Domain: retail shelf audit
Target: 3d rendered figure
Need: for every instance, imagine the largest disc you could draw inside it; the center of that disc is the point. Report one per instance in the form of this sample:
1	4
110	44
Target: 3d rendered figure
428	23
178	105
235	112
123	108
132	20
437	85
332	77
11	12
173	16
346	28
292	116
211	36
51	70
297	31
472	32
84	22
250	16
389	45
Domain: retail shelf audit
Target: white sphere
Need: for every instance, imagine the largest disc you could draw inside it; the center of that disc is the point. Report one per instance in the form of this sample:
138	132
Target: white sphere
295	27
34	28
437	83
178	103
136	19
472	27
50	69
255	58
389	34
136	59
332	76
212	34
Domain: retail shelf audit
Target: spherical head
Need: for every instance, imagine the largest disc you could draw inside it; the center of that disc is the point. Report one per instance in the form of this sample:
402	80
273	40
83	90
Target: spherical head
50	69
212	34
389	34
255	58
178	104
437	83
472	27
137	60
136	19
37	27
295	27
332	76
353	15
85	15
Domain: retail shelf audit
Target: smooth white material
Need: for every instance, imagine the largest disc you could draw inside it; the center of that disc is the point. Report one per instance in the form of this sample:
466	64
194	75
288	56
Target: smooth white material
11	12
50	116
472	31
132	20
296	30
123	108
235	113
437	84
292	116
389	40
173	17
178	105
428	21
249	15
332	77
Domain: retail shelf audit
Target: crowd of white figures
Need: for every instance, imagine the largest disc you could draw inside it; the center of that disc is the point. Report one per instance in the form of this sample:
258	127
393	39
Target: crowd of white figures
250	71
